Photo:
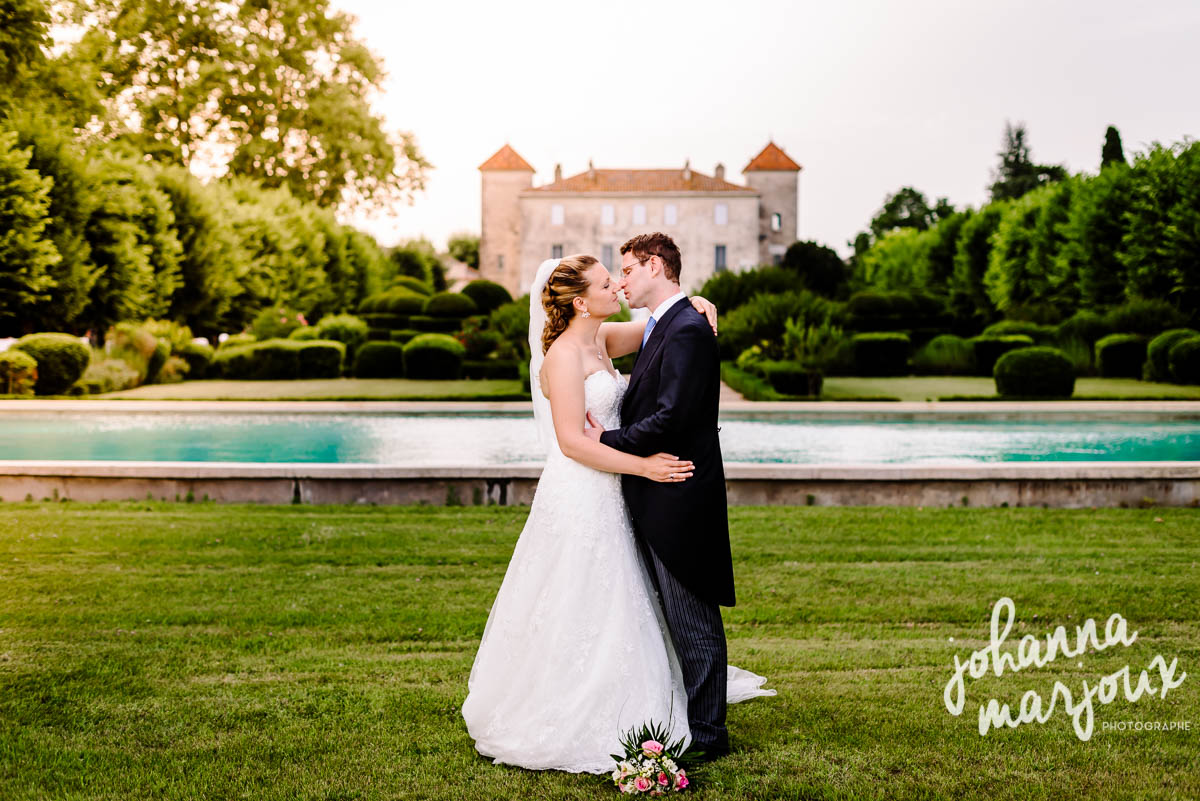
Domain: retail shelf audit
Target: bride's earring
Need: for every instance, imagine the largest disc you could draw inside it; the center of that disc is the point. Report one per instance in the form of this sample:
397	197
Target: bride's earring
586	314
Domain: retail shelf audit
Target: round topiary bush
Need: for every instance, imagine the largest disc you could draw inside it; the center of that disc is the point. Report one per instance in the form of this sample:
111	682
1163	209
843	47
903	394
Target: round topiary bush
18	373
380	360
304	334
61	360
945	354
415	284
1120	355
320	358
402	301
1036	371
198	357
990	348
351	331
238	340
450	304
435	356
1084	325
881	353
1158	367
1184	361
276	322
1036	331
487	295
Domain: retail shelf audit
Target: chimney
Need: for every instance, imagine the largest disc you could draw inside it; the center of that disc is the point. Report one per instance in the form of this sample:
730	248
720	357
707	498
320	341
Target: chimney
591	170
557	173
687	170
720	172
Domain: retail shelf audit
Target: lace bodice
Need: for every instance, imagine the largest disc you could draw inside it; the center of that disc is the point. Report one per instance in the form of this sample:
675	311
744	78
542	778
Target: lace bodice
603	397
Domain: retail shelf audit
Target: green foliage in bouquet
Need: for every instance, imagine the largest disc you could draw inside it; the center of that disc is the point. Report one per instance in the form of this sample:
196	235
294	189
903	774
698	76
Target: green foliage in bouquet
653	764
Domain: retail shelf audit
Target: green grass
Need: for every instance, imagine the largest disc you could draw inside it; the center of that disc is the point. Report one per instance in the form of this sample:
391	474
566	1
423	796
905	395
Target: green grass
176	651
329	389
919	388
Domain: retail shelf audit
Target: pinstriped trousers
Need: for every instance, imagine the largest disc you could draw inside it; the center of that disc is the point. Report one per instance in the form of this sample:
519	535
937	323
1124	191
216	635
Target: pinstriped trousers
699	638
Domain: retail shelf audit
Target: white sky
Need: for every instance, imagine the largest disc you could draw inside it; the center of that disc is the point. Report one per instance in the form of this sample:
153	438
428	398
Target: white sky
867	95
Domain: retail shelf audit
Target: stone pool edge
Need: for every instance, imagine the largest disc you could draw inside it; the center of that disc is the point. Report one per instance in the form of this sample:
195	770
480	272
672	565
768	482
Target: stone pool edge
1057	484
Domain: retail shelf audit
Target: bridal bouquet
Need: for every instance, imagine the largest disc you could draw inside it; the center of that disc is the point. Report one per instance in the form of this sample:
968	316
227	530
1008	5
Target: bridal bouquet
651	762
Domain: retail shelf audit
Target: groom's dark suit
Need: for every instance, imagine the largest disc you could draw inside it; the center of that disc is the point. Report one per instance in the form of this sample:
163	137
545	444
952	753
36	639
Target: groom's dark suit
683	530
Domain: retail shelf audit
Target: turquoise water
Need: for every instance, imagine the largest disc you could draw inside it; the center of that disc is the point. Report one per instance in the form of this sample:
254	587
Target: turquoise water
426	440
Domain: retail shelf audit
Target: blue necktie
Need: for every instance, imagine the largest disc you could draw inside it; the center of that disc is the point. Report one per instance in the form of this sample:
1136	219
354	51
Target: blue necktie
649	328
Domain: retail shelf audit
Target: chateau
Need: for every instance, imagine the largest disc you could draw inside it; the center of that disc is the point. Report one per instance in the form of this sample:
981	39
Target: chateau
718	225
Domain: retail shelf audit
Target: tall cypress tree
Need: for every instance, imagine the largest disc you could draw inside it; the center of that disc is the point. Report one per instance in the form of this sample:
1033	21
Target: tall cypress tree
1113	152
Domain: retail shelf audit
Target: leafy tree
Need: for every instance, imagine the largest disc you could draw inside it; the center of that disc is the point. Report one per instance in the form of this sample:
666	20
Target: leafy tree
908	208
1017	173
417	258
26	254
968	296
899	260
1092	235
24	39
465	248
1022	267
282	87
1113	152
820	267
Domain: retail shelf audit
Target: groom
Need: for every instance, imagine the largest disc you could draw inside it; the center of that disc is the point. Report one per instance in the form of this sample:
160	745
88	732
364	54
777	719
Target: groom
682	528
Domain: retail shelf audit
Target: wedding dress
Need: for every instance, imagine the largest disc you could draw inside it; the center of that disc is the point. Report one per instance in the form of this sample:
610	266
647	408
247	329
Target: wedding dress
576	650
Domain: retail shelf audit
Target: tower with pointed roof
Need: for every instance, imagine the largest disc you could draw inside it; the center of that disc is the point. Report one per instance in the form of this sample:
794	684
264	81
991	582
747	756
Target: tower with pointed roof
777	178
504	176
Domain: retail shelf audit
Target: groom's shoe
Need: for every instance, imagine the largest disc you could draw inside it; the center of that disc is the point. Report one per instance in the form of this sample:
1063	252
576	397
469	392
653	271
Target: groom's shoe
703	753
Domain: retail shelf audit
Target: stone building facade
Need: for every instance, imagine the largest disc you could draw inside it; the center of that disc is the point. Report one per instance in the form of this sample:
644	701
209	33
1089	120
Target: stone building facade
717	224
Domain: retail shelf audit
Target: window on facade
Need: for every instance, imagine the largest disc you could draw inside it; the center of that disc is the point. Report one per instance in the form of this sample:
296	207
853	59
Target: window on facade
639	215
777	259
607	216
500	263
719	258
776	222
670	214
606	256
556	251
721	214
556	214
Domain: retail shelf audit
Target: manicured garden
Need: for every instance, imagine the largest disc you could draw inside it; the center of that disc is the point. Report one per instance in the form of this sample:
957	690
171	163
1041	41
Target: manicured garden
184	651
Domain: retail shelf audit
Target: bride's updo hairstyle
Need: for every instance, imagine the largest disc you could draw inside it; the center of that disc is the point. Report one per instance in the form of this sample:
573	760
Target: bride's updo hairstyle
567	282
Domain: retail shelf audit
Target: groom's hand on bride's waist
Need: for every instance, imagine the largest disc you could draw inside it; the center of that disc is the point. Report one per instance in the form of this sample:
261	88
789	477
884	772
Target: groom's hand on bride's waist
593	429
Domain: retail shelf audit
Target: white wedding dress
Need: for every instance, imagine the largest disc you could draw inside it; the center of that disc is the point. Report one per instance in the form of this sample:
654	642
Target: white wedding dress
576	650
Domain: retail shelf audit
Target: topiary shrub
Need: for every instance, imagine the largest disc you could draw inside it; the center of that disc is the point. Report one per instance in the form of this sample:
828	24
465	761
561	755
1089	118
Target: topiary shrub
946	354
1036	371
1184	361
384	320
18	373
791	378
434	356
450	304
158	358
487	295
276	322
61	360
892	310
403	335
380	360
1120	355
378	334
305	333
989	349
881	353
435	325
1158	366
491	368
198	357
1085	325
402	301
414	284
480	342
351	331
321	358
1147	316
238	340
108	375
1038	332
274	359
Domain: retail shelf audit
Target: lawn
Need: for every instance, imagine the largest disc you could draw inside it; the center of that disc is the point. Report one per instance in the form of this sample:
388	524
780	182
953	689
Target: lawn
919	388
329	389
177	651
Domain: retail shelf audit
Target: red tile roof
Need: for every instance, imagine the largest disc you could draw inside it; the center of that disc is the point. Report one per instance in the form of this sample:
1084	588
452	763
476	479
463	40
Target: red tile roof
506	159
642	181
772	158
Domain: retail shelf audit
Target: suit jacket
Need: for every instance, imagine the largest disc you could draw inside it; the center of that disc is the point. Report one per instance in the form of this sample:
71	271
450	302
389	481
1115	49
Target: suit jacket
671	406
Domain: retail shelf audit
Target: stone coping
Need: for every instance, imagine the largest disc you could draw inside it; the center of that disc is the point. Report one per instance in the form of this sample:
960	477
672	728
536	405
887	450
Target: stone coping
944	410
734	471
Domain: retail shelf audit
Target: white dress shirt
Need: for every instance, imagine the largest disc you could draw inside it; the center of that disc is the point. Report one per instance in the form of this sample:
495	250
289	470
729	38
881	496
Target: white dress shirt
657	314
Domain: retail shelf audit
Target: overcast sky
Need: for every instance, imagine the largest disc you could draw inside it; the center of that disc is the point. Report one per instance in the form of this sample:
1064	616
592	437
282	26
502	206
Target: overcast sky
867	96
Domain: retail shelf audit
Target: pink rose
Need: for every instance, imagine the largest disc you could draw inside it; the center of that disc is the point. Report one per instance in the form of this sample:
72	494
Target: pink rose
642	783
652	748
681	781
662	779
283	319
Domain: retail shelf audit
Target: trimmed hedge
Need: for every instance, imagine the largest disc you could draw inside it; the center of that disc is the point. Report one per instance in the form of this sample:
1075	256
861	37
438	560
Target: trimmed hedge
351	331
61	360
154	365
1085	325
403	335
487	295
435	325
198	357
434	356
1036	371
18	373
450	304
305	334
1184	361
989	349
237	340
281	359
1158	367
790	378
385	320
401	301
380	360
1039	333
491	368
881	353
946	354
414	284
378	334
1120	355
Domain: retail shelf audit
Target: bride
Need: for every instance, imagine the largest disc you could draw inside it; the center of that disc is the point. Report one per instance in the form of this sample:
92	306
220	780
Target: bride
576	649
